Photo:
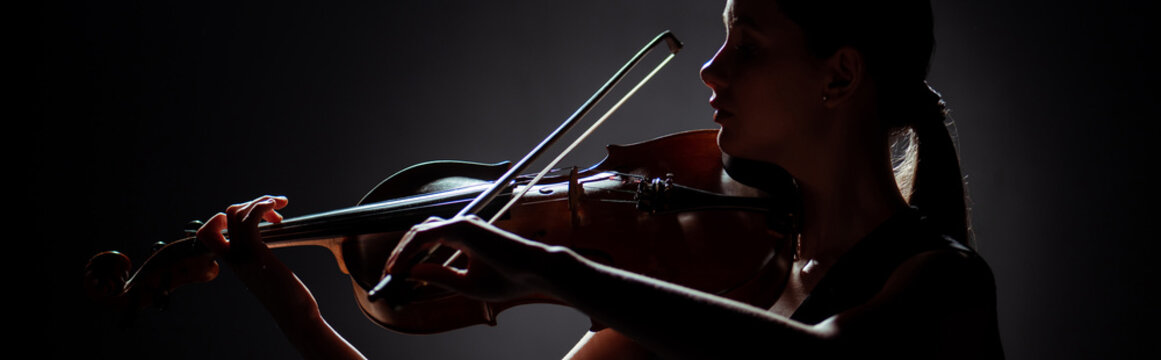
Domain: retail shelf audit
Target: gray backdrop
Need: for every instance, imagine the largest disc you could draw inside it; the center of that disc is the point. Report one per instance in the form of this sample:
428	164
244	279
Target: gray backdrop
156	113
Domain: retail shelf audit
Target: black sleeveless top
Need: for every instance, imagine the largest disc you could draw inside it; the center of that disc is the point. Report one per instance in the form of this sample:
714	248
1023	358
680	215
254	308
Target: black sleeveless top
861	273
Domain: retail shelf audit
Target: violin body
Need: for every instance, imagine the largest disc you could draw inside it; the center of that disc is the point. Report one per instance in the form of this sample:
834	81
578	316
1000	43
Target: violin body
664	208
724	251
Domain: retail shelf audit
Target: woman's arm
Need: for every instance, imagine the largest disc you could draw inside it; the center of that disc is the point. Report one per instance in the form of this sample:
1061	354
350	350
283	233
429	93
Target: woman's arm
939	304
287	299
934	296
673	321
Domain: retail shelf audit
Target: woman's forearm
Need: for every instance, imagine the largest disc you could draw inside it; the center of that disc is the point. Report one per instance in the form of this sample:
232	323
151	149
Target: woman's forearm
315	339
674	321
295	310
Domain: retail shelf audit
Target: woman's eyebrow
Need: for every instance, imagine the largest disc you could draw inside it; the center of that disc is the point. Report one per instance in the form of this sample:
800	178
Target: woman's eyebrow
731	20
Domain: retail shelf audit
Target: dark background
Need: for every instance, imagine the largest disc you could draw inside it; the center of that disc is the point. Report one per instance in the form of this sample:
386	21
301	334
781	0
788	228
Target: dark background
156	113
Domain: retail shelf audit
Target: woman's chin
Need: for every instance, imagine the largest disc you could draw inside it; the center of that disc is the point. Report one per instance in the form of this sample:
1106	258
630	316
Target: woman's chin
747	146
728	142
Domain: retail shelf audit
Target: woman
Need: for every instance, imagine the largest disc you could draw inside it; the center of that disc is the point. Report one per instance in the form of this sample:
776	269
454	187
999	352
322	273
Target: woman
883	265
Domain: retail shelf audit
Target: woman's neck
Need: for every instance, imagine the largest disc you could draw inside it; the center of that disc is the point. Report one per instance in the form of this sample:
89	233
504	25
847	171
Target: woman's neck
845	202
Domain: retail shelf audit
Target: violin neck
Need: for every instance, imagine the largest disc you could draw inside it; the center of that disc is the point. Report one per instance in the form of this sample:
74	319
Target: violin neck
381	217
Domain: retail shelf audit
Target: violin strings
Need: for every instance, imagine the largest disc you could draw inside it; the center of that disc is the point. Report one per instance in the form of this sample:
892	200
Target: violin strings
618	201
575	143
582	137
486	197
621	191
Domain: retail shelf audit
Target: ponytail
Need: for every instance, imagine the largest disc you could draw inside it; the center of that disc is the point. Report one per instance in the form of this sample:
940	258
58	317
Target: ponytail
897	39
927	167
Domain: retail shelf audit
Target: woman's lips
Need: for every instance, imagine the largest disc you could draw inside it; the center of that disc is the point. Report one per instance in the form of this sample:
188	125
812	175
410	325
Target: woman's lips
720	115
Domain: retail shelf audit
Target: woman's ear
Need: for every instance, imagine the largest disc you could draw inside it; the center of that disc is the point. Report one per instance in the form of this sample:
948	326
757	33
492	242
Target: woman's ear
842	75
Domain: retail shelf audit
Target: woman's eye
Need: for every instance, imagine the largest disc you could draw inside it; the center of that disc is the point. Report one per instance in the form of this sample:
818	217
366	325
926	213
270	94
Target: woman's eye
745	48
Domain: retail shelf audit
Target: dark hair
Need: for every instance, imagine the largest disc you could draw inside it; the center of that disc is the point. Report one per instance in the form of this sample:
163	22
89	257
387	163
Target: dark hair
897	39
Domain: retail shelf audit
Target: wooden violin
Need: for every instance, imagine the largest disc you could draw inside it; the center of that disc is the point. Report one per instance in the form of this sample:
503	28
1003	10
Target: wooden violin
668	208
663	208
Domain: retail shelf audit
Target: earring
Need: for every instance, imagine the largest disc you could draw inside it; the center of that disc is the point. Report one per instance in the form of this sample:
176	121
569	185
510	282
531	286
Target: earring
824	98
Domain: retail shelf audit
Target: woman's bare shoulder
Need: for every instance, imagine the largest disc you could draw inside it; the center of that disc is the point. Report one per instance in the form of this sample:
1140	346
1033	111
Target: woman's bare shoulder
955	275
939	301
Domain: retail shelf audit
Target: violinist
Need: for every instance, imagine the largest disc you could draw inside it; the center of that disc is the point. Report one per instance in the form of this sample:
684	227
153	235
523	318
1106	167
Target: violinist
883	265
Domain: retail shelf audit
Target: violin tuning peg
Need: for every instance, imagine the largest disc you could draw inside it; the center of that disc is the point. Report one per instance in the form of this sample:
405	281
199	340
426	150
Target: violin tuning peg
191	228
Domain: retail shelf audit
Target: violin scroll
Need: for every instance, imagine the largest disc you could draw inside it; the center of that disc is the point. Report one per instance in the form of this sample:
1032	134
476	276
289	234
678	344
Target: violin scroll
107	275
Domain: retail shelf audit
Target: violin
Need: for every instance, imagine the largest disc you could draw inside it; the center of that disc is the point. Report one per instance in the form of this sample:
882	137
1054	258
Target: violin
668	208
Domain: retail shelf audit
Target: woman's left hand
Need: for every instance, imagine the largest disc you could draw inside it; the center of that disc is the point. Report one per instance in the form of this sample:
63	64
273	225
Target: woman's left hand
501	265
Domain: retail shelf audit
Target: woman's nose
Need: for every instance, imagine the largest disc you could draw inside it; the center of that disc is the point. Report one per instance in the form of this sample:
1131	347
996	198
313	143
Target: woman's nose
711	72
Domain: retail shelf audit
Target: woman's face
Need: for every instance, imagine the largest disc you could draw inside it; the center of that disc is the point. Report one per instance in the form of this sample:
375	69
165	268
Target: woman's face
767	88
